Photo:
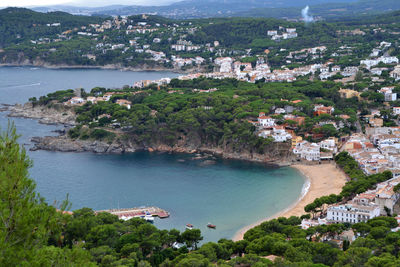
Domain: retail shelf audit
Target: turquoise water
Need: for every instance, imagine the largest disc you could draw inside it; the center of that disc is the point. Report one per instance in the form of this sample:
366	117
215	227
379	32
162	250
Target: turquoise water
230	194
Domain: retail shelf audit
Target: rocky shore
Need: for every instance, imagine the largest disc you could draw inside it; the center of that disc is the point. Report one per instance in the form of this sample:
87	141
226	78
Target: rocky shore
43	64
280	157
278	154
57	114
65	144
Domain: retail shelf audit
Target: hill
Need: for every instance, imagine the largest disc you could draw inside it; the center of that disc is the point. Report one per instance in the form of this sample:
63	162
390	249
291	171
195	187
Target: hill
328	11
193	8
18	24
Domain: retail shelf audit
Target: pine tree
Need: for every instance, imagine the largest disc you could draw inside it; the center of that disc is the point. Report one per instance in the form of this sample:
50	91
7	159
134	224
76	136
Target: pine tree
24	217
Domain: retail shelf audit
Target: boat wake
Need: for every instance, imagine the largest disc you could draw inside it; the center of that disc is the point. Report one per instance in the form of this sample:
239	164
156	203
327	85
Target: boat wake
22	85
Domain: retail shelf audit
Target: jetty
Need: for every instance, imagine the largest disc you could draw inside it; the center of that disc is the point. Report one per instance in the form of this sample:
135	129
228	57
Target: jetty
126	214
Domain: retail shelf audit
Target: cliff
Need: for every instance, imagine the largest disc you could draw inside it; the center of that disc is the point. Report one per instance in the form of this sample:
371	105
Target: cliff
276	153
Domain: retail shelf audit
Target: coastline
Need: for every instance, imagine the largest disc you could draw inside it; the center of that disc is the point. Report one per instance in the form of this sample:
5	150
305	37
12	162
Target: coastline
101	67
61	116
320	180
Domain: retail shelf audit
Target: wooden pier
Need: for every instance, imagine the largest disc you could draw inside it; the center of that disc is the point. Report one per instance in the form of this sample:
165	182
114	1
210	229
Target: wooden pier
138	212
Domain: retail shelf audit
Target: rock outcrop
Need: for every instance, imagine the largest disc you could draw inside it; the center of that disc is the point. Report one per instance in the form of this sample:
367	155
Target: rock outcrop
277	154
65	144
56	114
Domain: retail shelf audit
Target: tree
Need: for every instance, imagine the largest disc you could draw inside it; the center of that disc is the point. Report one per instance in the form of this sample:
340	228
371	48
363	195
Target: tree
396	188
192	237
27	223
24	218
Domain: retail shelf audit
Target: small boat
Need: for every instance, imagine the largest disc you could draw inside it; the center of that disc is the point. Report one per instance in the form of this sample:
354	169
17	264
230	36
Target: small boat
189	226
149	218
209	225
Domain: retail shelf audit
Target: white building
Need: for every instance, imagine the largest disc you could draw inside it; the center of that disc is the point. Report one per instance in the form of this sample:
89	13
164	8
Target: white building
396	110
395	73
91	99
385	196
388	93
307	223
278	133
349	71
329	144
117	46
178	47
307	151
352	212
389	60
280	111
265	121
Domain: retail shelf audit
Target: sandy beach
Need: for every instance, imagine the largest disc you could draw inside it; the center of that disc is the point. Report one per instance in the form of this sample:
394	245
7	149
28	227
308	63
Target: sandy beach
323	179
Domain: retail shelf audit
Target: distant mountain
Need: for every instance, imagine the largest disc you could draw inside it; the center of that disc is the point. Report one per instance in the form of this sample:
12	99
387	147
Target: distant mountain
291	9
77	10
191	8
213	8
329	11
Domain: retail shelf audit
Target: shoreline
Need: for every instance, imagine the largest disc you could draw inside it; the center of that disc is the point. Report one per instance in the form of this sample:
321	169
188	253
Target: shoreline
62	143
320	180
98	67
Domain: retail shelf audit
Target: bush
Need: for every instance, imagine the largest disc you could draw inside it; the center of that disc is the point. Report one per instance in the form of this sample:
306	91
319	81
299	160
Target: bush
74	132
101	134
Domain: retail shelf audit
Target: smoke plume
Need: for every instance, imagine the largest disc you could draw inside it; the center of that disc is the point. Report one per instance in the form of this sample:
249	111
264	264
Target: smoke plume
304	13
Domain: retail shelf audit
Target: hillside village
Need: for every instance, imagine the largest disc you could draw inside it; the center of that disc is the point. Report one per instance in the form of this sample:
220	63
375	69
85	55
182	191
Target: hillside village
374	142
319	94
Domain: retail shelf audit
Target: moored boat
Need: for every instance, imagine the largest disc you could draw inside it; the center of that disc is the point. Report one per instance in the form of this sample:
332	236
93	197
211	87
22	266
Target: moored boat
149	218
189	226
209	225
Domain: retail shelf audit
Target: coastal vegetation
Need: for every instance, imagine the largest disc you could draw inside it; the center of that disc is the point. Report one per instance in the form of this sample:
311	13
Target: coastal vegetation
180	114
195	113
37	234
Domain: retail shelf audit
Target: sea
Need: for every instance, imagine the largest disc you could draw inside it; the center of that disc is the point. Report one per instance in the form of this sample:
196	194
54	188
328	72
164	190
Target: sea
230	194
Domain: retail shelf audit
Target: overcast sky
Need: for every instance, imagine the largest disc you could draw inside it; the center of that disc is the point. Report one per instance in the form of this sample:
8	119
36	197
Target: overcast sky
91	3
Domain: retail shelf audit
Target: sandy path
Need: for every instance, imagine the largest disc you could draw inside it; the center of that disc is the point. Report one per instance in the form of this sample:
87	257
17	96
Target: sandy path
323	179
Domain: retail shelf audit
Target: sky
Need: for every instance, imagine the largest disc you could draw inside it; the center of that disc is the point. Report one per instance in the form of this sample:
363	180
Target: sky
89	3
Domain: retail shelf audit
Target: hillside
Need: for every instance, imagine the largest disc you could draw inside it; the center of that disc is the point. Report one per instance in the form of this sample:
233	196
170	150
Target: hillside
18	24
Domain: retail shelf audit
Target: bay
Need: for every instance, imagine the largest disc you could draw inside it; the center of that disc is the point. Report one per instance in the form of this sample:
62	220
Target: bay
230	194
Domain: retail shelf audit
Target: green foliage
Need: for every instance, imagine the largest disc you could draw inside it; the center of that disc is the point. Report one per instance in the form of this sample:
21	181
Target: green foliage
27	223
359	182
60	96
34	234
21	24
217	119
101	134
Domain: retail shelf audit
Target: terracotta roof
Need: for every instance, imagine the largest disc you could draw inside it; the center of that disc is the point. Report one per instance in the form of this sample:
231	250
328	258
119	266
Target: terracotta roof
264	117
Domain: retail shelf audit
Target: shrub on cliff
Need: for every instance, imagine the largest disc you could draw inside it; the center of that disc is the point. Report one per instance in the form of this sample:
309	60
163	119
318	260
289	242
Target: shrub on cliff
100	134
